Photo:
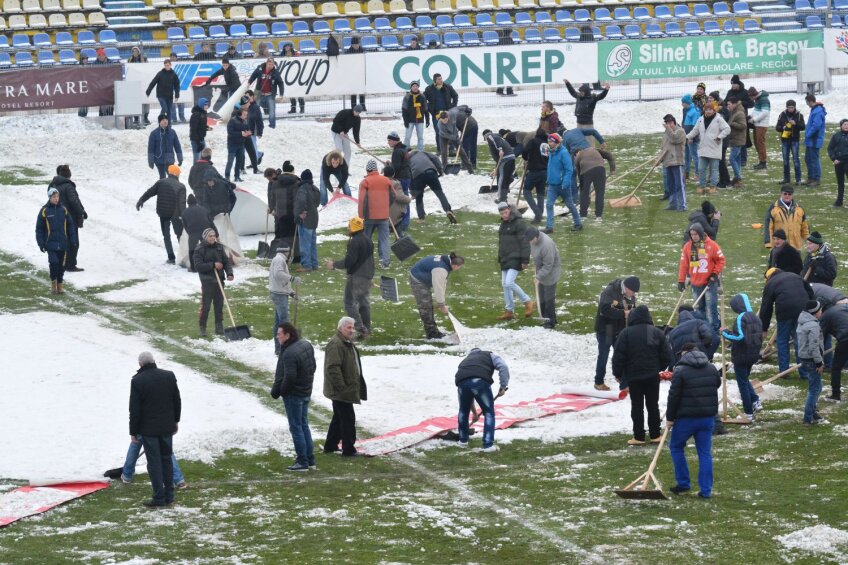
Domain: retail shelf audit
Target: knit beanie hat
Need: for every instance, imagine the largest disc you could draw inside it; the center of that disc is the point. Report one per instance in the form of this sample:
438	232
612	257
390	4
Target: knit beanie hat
306	175
174	170
779	234
162	117
632	283
201	102
813	306
288	167
206	233
393	135
371	165
816	238
51	191
707	208
735	80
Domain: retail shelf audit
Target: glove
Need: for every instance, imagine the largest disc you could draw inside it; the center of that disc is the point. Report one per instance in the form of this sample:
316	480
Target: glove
502	391
296	280
43	249
151	165
138	206
85	215
713	278
180	164
681	286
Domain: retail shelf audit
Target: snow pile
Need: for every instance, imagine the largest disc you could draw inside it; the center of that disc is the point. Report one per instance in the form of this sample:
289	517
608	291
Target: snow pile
821	540
68	392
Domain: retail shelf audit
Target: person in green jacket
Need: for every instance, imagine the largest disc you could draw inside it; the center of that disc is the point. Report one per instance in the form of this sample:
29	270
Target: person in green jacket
344	386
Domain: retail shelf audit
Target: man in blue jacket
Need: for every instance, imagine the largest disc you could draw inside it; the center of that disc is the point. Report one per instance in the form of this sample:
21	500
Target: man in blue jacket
54	233
560	171
162	145
813	140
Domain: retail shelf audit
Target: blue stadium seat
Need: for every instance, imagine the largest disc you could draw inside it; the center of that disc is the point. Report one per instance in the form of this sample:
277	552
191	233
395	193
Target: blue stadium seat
89	52
23	59
259	30
613	32
403	23
322	44
431	40
582	15
300	27
112	55
813	22
490	37
632	31
543	18
564	16
46	58
692	28
470	39
339	26
197	33
835	20
369	42
451	39
516	37
382	24
721	10
653	31
4	42
181	51
362	24
820	5
681	11
462	20
802	5
641	13
551	35
572	34
221	49
218	32
741	8
85	37
711	27
596	33
5	60
532	35
701	11
602	15
662	13
503	19
41	40
281	45
523	19
731	26
323	26
279	29
444	21
67	57
389	42
672	29
407	39
751	26
307	47
64	38
840	4
176	34
238	31
346	42
20	41
484	20
622	15
423	22
107	37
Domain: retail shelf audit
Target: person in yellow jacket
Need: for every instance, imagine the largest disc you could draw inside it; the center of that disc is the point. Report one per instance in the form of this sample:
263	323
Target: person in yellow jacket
787	215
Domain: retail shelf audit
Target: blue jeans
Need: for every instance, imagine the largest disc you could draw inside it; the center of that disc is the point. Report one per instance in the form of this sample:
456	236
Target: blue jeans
535	180
234	154
509	286
736	161
181	111
691	156
382	227
418	128
555	192
676	190
159	451
708	304
469	390
404	223
708	166
702	429
785	330
787	148
811	157
281	314
746	391
297	412
196	148
133	454
828	357
604	346
814	384
308	240
269	104
167	108
323	188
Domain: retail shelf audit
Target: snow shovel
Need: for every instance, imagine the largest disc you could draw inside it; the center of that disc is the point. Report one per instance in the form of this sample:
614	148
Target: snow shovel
454	167
491	187
403	247
234	333
264	251
758	385
651	488
676	308
118	471
480	413
631	200
389	289
379	159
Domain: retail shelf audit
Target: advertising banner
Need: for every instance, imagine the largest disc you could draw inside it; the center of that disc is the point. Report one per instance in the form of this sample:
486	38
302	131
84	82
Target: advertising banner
836	48
58	87
703	56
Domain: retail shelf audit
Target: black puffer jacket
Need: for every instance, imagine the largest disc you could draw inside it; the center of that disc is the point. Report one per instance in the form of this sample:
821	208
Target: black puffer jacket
359	259
400	161
786	258
822	266
698	217
307	199
585	100
197	218
641	350
788	293
295	369
205	257
281	193
837	149
346	121
219	198
197	127
610	319
745	333
197	176
513	249
170	196
167	85
69	198
689	329
231	78
694	386
533	154
835	322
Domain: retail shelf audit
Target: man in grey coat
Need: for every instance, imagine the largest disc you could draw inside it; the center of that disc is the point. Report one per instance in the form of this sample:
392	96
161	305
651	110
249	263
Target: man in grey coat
450	140
548	270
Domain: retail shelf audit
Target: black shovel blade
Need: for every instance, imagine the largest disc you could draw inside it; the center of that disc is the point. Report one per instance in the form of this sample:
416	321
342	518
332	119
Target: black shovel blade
263	251
237	333
453	168
404	248
642	494
487	189
114	473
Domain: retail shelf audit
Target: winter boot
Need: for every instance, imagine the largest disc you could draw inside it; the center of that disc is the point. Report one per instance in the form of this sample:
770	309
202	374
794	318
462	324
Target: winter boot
293	108
507	315
713	190
700	190
302	107
54	287
219	329
602	386
634	441
529	306
60	288
760	166
451	217
202	332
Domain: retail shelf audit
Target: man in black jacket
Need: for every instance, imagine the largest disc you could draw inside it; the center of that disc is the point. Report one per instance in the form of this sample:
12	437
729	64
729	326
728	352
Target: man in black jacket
819	264
282	189
536	176
787	293
167	85
306	203
403	173
155	408
513	257
584	107
269	84
440	96
170	196
197	128
293	381
691	410
834	322
196	219
615	303
504	157
69	198
641	352
231	80
210	260
359	264
219	195
783	256
345	121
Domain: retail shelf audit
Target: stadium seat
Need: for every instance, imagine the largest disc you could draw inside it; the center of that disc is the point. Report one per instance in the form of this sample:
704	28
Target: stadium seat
701	11
245	49
551	35
329	9
464	6
23	59
199	2
107	37
382	24
840	4
431	39
751	26
741	8
443	6
596	33
403	23
30	6
340	25
5	61
218	32
176	34
112	55
681	12
42	41
582	15
622	15
572	34
420	6
21	41
835	20
180	3
322	26
503	19
46	58
283	12
306	11
71	5
817	5
692	28
632	31
90	4
162	3
543	18
397	7
89	52
731	26
238	13
67	57
307	47
602	15
470	39
192	15
279	29
444	21
563	17
483	20
490	37
376	8
238	31
516	37
641	13
221	49
485	4
423	22
196	33
85	37
63	39
662	13
51	5
282	44
532	35
672	29
407	39
800	6
214	15
523	19
653	31
389	42
2	23
259	30
613	32
261	13
813	22
462	20
711	27
353	9
721	10
38	21
12	6
181	51
451	39
54	20
300	27
505	4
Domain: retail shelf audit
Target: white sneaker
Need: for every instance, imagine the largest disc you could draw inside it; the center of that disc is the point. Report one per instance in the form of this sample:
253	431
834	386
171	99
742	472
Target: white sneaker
462	444
125	479
758	405
490	449
749	417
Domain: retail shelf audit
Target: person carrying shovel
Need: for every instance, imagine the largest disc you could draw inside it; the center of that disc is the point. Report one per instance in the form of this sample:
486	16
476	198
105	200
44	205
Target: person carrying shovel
210	260
430	276
450	142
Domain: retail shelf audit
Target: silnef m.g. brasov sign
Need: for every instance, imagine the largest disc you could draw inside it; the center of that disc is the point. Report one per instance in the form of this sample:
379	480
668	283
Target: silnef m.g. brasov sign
699	56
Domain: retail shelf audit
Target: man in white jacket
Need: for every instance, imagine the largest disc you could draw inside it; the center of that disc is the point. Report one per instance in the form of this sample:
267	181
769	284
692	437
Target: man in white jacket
759	117
711	129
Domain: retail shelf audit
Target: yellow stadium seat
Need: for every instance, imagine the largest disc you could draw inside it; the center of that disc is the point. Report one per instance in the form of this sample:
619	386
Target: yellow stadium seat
57	20
283	12
37	21
376	8
397	7
238	13
192	15
96	19
306	11
353	9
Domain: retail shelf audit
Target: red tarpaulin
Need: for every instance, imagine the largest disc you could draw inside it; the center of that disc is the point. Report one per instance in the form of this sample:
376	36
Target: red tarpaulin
28	501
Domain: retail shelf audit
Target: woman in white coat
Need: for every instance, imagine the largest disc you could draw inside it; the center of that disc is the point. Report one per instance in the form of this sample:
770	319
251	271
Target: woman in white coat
711	129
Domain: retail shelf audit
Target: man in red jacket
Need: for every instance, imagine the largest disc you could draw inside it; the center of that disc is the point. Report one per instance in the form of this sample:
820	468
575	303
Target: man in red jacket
374	205
702	259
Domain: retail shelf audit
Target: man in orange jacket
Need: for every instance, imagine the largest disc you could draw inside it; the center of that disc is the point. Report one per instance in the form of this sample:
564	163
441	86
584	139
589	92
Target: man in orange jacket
702	259
374	205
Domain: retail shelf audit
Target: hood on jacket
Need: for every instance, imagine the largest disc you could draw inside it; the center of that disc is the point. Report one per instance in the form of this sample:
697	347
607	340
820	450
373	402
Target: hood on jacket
330	155
210	174
197	109
805	318
685	316
740	303
585	89
699	229
694	358
687	99
640	315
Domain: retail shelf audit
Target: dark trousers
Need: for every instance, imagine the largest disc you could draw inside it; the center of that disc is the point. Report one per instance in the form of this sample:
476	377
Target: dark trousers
357	302
420	183
645	394
163	169
284	228
593	178
56	260
193	241
535	180
165	224
840	180
250	149
235	153
723	173
424	300
159	465
210	293
469	142
505	174
222	99
342	428
71	253
353	100
547	303
604	346
840	358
